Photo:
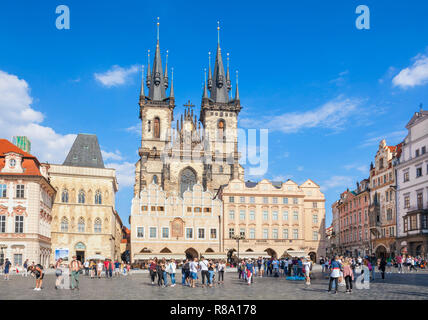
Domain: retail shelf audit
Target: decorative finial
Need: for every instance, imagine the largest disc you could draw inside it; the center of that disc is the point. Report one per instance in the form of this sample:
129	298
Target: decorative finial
218	32
157	24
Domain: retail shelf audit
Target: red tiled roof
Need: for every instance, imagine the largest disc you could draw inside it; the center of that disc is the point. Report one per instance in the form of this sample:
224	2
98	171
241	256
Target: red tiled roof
29	162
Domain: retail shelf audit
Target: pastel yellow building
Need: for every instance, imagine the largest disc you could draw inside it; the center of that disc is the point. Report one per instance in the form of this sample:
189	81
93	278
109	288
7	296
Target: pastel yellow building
85	221
275	219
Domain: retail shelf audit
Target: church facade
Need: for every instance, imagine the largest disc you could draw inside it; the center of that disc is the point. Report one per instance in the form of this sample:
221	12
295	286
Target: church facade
182	167
185	166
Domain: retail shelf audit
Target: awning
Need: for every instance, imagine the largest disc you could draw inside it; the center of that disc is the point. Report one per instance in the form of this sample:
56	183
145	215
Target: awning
214	255
96	257
297	254
252	254
146	256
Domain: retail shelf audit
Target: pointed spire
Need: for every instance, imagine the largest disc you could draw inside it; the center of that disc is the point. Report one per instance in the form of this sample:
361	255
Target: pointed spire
237	89
149	75
165	76
219	89
228	83
142	86
157	83
171	91
210	80
205	93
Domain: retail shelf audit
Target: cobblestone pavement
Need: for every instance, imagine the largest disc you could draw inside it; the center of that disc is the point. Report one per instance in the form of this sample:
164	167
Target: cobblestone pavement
413	286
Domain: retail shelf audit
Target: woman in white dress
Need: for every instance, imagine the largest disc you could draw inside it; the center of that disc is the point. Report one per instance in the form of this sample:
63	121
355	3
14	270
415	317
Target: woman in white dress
307	265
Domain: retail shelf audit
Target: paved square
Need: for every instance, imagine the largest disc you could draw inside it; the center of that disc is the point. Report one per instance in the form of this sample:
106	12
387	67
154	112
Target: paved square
412	286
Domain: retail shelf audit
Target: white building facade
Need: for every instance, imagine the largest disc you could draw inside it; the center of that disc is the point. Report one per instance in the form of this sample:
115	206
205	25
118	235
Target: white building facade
412	189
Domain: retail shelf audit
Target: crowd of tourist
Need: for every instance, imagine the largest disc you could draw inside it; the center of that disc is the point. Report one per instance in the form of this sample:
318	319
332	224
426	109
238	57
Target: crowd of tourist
340	270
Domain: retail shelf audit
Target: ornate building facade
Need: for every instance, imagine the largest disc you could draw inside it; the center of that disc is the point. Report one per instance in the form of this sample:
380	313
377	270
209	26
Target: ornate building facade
382	210
26	199
196	153
412	188
85	221
353	208
273	219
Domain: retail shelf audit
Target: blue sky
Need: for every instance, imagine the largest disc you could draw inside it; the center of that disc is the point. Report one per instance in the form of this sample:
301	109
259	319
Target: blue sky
327	92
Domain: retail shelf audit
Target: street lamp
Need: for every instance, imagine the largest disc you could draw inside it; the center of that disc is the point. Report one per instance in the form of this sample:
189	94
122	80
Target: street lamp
237	238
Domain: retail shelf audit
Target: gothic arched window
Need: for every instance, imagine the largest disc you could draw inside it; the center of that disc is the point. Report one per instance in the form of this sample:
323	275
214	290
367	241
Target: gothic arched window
81	197
97	225
64	224
64	196
155	179
98	197
221	129
187	180
156	128
81	225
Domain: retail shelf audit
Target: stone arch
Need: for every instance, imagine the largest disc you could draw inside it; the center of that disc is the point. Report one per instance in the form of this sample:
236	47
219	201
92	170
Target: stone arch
145	250
165	250
271	252
191	253
313	256
188	178
381	251
249	250
209	250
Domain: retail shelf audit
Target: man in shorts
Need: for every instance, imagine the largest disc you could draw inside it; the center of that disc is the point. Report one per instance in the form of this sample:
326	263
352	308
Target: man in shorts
193	265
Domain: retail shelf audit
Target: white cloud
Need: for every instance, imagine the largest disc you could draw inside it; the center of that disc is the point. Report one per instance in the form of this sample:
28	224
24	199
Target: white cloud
19	118
397	136
364	169
415	75
336	182
332	115
300	168
125	173
341	79
116	76
112	155
134	129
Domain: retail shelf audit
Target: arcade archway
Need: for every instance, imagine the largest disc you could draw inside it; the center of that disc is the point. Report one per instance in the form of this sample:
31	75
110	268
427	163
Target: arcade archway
191	253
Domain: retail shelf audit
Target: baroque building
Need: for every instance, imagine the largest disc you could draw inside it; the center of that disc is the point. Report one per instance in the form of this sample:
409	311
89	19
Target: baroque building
382	210
353	208
412	188
85	221
26	199
273	219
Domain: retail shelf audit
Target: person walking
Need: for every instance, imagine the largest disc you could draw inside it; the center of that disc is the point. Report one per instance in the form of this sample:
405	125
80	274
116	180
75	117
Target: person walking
221	267
171	271
348	273
58	273
399	261
153	270
185	273
193	266
25	271
336	267
203	265
307	264
86	266
75	267
373	262
382	265
100	266
116	268
6	269
211	268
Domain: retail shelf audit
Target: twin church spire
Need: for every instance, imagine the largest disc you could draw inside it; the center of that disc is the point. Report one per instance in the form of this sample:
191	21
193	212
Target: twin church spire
157	82
219	83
